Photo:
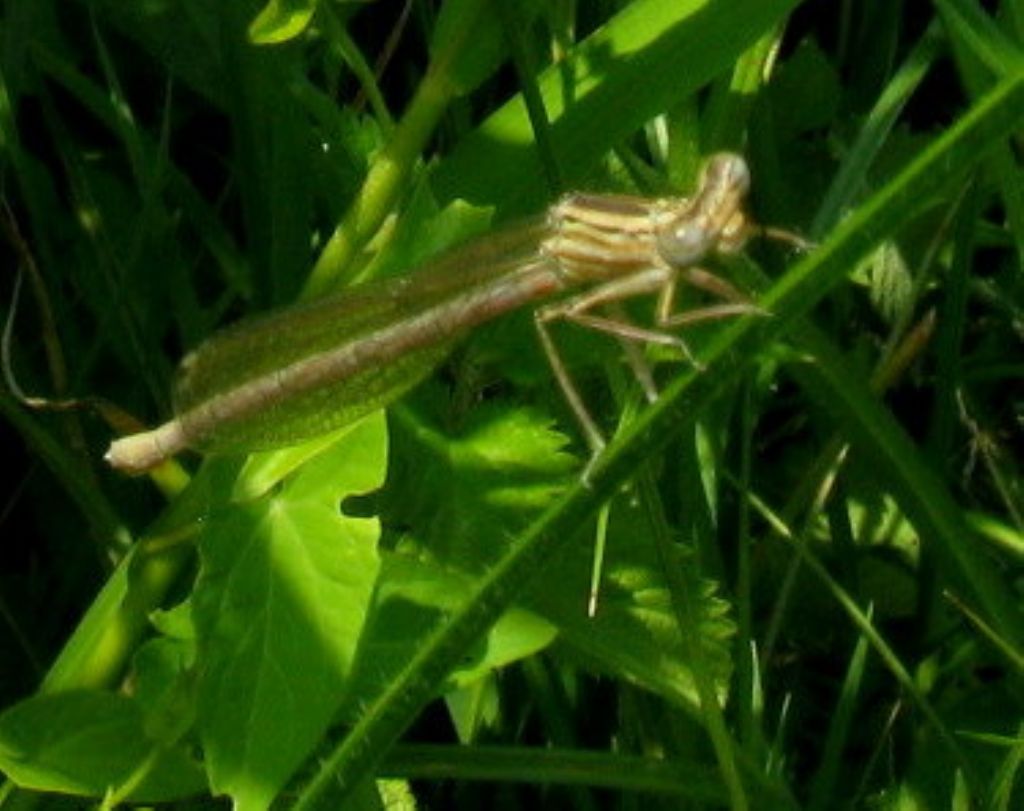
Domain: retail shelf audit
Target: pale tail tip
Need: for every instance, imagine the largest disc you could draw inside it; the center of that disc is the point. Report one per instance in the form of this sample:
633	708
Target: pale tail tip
137	453
123	456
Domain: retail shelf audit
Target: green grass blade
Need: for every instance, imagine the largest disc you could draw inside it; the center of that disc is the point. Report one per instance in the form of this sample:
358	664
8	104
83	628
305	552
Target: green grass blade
603	93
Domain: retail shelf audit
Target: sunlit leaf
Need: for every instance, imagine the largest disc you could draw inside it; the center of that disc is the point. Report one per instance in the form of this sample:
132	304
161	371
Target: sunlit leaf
280	604
281	20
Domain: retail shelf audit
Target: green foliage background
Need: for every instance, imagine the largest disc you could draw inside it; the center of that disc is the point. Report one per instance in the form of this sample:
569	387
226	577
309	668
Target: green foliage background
810	588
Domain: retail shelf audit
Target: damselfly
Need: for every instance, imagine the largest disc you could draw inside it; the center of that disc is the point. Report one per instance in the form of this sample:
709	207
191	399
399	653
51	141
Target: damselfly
310	369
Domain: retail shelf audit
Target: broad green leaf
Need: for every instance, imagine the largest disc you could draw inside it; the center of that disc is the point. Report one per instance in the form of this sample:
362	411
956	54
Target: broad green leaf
413	597
501	468
90	742
267	469
282	596
163	683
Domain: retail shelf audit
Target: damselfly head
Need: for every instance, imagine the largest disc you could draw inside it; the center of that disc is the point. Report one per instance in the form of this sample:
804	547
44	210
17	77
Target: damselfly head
713	219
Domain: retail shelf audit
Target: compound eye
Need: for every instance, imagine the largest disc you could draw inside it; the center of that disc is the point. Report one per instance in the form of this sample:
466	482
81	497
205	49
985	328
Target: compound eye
684	244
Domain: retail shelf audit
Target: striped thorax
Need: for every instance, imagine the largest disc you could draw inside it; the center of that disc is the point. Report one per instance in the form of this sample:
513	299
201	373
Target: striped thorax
596	237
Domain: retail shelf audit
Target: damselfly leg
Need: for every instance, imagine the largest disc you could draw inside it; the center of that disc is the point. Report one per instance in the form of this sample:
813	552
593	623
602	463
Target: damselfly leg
598	310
